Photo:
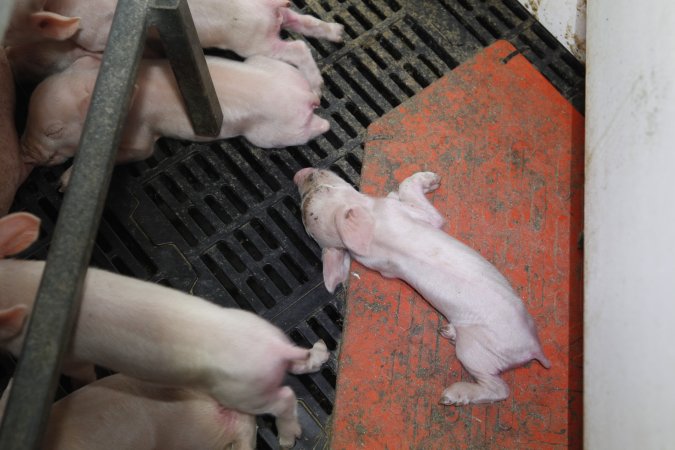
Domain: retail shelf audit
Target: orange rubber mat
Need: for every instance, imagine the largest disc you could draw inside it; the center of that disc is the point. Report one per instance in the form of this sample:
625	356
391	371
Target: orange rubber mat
509	149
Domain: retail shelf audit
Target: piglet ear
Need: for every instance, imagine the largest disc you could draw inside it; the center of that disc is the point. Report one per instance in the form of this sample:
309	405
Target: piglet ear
17	232
87	92
335	267
355	225
54	26
11	321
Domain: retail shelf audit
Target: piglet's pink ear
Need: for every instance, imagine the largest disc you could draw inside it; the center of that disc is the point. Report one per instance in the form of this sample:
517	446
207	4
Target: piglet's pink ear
54	26
355	225
86	93
11	321
17	232
335	267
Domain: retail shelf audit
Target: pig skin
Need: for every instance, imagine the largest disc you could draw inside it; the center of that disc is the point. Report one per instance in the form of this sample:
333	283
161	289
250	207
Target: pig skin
162	335
247	27
33	62
265	100
120	412
488	323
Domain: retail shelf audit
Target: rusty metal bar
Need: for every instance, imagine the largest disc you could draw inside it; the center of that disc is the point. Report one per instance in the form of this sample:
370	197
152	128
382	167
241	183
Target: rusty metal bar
59	296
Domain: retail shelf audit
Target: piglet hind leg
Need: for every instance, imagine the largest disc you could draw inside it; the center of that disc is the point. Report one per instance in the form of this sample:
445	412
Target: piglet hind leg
478	361
298	54
311	26
412	190
284	408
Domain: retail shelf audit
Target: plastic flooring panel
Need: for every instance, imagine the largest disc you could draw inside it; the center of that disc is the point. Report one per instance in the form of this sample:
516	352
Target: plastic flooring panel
222	220
509	151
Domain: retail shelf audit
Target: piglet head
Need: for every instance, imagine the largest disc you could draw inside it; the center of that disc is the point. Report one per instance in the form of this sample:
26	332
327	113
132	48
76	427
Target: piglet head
56	114
338	218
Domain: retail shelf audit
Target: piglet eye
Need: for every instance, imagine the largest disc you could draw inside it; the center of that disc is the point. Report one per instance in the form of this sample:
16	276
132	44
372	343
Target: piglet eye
54	130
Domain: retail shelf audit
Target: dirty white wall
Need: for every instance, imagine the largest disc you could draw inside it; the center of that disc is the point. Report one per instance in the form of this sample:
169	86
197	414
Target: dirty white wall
565	19
629	392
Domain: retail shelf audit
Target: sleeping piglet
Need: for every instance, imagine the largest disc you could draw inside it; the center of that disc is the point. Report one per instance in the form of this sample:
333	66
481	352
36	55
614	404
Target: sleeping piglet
265	100
247	27
400	237
120	412
162	335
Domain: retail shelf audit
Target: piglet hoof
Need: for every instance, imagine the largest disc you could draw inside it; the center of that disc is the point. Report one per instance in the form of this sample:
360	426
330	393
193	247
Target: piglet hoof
293	432
428	181
448	331
286	443
463	393
335	32
458	394
318	355
315	357
316	86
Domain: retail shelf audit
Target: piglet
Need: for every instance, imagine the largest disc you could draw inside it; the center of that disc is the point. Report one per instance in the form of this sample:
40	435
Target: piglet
164	336
265	100
247	27
400	237
120	412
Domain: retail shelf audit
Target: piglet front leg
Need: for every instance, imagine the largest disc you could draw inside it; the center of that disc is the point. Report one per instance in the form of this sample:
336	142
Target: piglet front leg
411	191
285	405
298	54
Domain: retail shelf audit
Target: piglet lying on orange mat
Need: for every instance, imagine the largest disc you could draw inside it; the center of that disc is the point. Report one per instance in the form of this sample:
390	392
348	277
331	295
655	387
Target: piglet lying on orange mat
488	322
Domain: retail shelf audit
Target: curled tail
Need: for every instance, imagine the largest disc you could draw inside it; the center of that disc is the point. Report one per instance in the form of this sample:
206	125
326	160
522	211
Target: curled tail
543	360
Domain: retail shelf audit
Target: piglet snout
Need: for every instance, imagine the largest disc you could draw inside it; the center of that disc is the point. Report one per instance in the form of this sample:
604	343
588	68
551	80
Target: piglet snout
301	175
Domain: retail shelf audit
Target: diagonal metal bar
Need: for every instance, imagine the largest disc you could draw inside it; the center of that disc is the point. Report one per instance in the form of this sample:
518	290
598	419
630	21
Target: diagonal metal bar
59	296
176	29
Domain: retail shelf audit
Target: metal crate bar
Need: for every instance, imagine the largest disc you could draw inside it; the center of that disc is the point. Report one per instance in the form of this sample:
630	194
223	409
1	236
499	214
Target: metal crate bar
173	20
59	296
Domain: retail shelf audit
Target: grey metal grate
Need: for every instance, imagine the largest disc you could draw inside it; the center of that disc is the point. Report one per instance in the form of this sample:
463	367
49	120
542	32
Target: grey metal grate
222	220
